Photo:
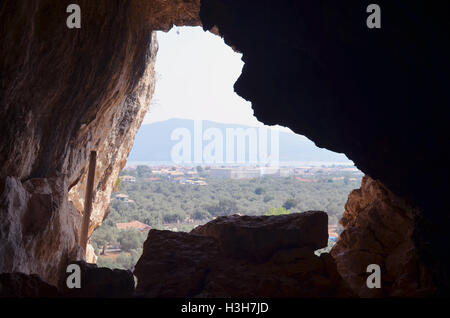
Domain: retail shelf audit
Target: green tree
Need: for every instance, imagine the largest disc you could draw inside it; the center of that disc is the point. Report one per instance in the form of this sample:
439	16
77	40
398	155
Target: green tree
143	171
130	239
103	236
106	262
289	204
172	218
224	207
201	215
259	190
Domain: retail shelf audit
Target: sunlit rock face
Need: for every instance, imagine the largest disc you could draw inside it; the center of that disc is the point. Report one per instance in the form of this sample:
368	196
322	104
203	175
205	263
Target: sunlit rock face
90	254
65	93
236	256
38	227
378	229
117	130
163	14
122	122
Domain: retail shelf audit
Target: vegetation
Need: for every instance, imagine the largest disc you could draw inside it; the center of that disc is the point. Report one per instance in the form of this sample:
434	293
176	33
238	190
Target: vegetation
277	211
165	204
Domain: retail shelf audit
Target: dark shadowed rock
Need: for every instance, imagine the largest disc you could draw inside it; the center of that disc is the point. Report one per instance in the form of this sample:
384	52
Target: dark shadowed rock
175	263
306	67
378	229
19	285
258	237
100	282
254	262
95	282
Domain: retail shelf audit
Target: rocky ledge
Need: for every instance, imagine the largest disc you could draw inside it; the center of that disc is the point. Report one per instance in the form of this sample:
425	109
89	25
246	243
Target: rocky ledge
19	285
241	256
95	282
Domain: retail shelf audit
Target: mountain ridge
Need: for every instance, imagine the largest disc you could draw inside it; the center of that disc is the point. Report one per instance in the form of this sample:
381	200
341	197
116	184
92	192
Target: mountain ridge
153	142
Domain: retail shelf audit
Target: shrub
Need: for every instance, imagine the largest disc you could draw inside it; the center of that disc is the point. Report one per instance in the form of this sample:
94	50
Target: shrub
277	211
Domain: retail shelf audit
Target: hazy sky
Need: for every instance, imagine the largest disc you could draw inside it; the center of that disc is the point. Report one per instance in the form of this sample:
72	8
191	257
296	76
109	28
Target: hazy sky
196	71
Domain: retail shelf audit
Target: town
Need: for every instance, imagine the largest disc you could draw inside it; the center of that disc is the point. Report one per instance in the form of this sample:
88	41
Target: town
196	175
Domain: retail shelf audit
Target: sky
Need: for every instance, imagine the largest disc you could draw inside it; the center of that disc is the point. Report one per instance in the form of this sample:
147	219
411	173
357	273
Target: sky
195	74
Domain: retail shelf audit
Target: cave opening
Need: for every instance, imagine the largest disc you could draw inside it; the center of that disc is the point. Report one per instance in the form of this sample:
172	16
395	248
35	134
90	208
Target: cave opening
66	93
200	153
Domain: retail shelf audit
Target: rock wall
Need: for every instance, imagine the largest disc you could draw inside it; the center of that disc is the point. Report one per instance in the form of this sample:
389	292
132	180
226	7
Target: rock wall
121	124
65	92
60	101
38	227
378	229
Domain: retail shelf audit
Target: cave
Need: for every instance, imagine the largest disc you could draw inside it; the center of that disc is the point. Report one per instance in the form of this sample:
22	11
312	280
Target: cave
378	95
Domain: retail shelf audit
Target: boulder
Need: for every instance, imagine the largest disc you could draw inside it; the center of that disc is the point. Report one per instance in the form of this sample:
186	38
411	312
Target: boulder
175	264
20	285
99	282
217	260
258	237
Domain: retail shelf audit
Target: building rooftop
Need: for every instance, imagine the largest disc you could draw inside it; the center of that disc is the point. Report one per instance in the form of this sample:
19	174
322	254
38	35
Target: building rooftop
133	225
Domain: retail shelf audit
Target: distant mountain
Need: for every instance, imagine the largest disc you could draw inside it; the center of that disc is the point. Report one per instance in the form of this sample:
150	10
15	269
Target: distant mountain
153	142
